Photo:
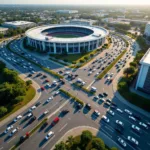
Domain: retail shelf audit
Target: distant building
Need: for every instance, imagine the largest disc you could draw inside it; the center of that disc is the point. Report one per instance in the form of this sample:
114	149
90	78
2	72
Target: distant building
147	29
67	11
143	82
18	24
107	20
82	22
3	30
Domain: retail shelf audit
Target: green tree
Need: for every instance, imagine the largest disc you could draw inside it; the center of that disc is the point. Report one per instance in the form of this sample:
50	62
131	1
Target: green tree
70	141
134	64
1	35
97	143
128	71
2	66
3	111
28	82
86	137
60	146
18	100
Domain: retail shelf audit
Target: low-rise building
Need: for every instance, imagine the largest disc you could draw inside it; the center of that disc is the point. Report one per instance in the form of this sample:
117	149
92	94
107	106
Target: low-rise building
3	30
66	11
143	81
18	24
82	22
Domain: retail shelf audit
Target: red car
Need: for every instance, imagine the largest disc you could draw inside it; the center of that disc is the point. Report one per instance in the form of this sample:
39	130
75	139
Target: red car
46	80
42	88
55	121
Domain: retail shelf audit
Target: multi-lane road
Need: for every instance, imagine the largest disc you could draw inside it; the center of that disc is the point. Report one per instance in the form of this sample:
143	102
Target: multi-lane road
59	103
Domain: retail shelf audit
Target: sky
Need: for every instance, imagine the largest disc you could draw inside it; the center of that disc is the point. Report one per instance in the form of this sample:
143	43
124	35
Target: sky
76	2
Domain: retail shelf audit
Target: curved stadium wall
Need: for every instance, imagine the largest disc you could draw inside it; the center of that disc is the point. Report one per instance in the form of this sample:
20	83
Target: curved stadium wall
71	39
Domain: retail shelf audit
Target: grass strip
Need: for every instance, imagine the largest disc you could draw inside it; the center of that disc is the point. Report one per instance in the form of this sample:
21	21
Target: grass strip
73	97
100	76
83	88
30	133
53	73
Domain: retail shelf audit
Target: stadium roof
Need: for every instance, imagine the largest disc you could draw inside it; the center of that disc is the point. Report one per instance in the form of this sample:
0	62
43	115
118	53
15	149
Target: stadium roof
35	33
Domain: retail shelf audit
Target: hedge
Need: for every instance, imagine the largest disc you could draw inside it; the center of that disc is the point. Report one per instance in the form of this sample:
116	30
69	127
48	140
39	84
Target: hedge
73	97
100	76
53	73
83	88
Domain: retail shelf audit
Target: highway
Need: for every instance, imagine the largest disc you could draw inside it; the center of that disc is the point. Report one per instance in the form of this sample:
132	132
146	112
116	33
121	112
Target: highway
74	118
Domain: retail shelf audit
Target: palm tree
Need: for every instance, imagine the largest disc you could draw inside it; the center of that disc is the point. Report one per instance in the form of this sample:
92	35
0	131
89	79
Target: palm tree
70	141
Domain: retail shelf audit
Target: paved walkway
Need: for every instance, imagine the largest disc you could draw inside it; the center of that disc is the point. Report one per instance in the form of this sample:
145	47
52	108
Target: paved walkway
117	94
37	95
78	130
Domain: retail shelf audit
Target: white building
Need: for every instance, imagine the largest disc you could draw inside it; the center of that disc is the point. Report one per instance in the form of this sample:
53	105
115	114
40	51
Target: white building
67	11
147	29
143	82
82	22
3	30
18	24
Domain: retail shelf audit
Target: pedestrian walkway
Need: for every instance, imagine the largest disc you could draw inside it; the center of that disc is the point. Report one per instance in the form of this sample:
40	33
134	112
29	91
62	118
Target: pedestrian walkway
37	95
78	130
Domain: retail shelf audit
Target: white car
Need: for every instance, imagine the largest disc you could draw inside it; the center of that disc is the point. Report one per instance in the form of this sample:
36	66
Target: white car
49	135
46	112
29	115
97	112
132	118
57	92
122	142
48	85
143	125
8	129
49	99
17	118
120	123
111	112
128	111
133	140
105	119
13	132
32	108
119	110
136	128
102	99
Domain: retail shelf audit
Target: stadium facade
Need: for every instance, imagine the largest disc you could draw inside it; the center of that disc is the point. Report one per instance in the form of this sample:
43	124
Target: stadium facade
71	39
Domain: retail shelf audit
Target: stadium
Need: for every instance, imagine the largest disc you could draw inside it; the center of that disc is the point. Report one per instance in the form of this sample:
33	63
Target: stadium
71	39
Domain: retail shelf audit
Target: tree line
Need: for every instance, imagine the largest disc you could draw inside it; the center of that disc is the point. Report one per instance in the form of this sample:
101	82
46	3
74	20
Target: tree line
12	89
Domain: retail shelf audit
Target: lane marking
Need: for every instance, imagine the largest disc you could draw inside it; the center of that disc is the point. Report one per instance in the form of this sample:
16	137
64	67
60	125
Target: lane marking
1	148
63	127
90	84
48	141
109	129
135	134
11	139
106	133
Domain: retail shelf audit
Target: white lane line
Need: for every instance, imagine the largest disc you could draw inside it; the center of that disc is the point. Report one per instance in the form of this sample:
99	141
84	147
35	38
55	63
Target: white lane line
1	148
48	141
135	134
106	133
90	84
63	127
109	129
11	139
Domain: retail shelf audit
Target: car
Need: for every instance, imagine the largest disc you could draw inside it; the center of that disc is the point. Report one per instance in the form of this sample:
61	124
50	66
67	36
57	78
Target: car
29	115
44	76
107	103
14	131
37	104
111	112
47	80
96	112
101	95
39	74
44	125
102	100
57	92
105	118
93	89
95	97
29	75
32	119
120	123
132	140
105	94
42	88
46	112
136	116
88	106
17	118
119	110
108	100
136	128
8	129
79	106
32	108
143	125
55	121
132	118
128	111
122	142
